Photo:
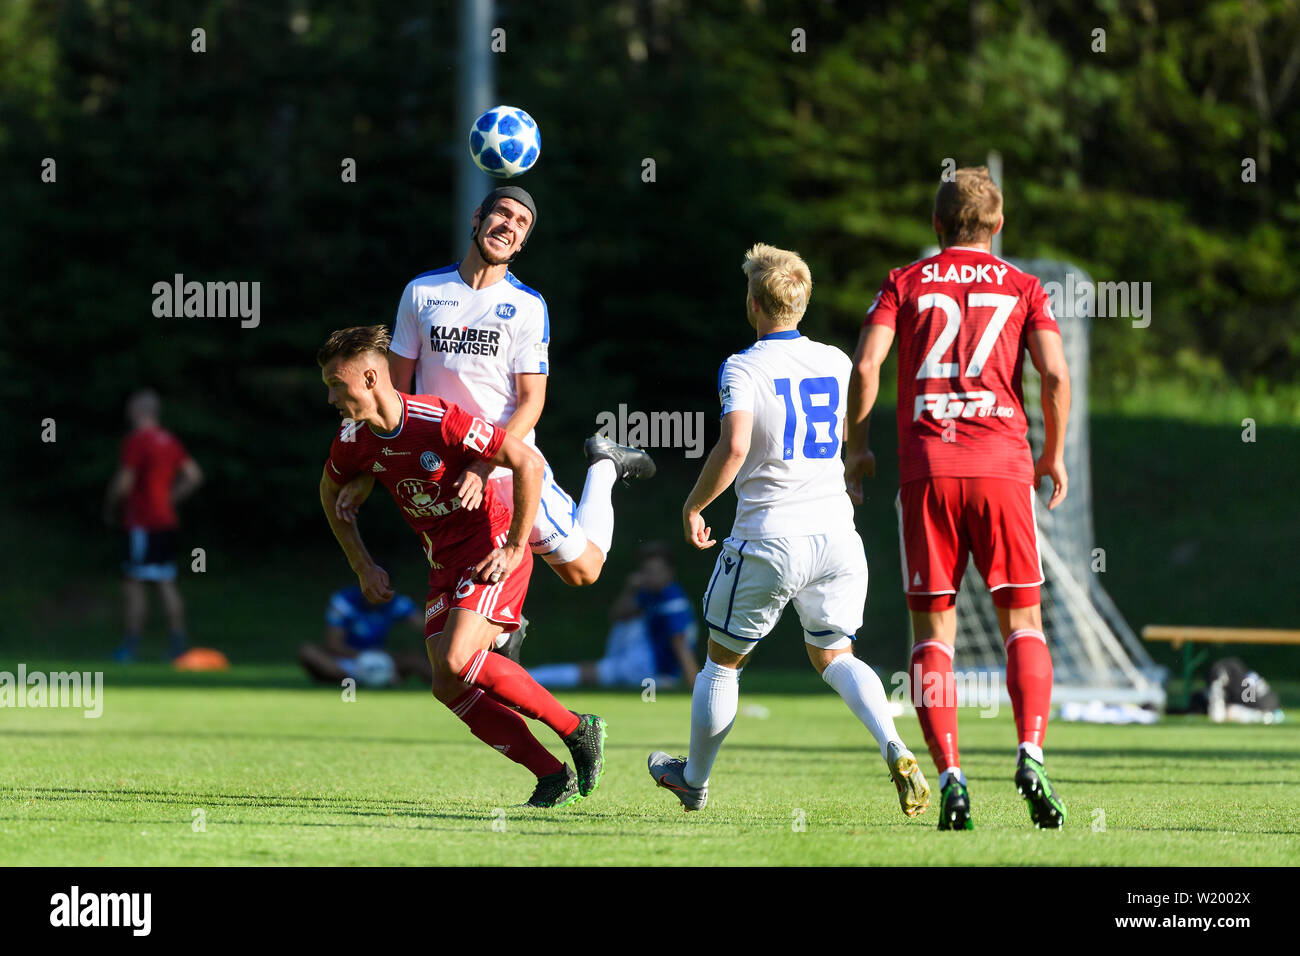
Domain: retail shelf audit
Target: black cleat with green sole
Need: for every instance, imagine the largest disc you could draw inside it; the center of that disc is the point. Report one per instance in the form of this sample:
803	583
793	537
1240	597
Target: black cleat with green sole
1046	809
587	745
954	807
557	789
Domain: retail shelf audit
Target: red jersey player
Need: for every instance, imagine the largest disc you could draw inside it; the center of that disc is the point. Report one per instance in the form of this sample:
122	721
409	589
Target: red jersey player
417	446
963	319
154	473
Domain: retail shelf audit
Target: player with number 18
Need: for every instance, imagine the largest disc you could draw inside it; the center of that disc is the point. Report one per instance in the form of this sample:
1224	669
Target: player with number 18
783	412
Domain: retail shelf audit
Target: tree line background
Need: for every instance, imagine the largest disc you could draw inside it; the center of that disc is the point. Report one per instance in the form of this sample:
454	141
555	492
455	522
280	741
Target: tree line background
225	165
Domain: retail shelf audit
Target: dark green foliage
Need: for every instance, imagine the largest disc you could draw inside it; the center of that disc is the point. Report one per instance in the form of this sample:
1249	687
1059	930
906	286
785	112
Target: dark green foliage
226	165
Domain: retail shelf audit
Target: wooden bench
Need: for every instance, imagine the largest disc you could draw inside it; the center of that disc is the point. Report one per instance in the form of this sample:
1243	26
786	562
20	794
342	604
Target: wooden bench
1194	658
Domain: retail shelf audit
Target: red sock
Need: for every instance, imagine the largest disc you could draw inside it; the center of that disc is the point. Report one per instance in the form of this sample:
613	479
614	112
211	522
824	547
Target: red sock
1029	682
934	696
512	685
502	729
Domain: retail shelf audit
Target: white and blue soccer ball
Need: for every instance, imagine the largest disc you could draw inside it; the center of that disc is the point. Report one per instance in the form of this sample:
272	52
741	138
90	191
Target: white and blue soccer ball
504	142
375	669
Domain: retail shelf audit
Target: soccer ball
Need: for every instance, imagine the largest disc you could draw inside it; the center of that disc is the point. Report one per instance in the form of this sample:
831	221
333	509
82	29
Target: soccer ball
375	669
505	142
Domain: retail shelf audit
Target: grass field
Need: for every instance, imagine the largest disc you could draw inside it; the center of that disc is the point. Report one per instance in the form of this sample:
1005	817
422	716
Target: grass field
1193	521
287	774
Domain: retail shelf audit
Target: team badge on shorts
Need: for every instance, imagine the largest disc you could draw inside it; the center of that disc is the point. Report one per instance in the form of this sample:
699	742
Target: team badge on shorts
430	462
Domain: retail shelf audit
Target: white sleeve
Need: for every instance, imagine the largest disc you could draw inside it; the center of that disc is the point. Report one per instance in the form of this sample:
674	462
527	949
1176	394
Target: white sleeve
406	327
735	388
530	346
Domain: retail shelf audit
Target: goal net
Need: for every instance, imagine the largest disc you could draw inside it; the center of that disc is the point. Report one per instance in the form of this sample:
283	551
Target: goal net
1095	654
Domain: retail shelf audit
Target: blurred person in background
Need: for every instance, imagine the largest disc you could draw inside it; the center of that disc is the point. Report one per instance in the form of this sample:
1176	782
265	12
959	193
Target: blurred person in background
154	474
355	625
652	634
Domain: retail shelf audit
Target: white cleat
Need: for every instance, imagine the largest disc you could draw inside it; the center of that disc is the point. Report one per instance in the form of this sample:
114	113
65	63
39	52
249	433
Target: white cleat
669	773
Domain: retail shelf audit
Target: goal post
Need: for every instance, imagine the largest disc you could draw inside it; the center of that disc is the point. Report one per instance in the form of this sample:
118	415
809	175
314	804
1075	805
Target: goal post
1095	654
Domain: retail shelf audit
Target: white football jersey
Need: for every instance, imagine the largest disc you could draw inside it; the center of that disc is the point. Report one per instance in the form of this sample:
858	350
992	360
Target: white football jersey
792	480
468	344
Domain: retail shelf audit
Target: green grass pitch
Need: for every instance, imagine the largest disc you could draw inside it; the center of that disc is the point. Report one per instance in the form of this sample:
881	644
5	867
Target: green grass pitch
195	771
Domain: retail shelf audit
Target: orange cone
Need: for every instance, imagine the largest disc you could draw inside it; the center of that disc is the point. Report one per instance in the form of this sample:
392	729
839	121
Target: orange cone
202	659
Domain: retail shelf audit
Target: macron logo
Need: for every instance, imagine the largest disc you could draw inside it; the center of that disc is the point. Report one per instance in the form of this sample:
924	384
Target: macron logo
102	909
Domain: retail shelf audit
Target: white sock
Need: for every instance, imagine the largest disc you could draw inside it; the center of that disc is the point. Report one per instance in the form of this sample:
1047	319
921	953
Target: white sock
557	675
1033	750
713	710
596	509
951	771
861	689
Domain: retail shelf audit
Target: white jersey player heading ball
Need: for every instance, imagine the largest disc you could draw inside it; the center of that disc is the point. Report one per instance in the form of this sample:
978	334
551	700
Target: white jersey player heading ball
473	334
793	540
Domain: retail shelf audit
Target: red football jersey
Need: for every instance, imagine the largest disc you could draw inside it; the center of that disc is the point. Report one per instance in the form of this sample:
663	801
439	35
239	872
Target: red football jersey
418	464
962	319
155	455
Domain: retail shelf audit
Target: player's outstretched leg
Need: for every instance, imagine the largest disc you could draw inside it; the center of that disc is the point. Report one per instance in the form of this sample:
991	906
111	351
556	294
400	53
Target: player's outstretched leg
579	559
607	462
860	688
714	703
507	733
459	655
1046	808
507	682
669	773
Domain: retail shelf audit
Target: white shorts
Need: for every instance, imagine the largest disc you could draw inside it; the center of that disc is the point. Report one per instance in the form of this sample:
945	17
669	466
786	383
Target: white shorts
824	574
629	658
557	537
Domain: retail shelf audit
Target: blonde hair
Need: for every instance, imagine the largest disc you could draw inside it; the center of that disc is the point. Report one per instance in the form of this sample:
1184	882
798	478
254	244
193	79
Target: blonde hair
969	207
349	343
779	281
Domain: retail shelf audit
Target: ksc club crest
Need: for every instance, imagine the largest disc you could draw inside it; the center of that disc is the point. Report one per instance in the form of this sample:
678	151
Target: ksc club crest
430	462
505	310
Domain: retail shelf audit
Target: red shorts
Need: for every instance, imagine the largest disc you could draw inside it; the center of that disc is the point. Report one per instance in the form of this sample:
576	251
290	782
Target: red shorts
942	521
501	603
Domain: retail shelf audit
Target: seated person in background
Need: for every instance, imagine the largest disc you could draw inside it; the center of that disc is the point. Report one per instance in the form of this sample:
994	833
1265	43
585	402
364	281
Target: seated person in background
652	634
353	626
